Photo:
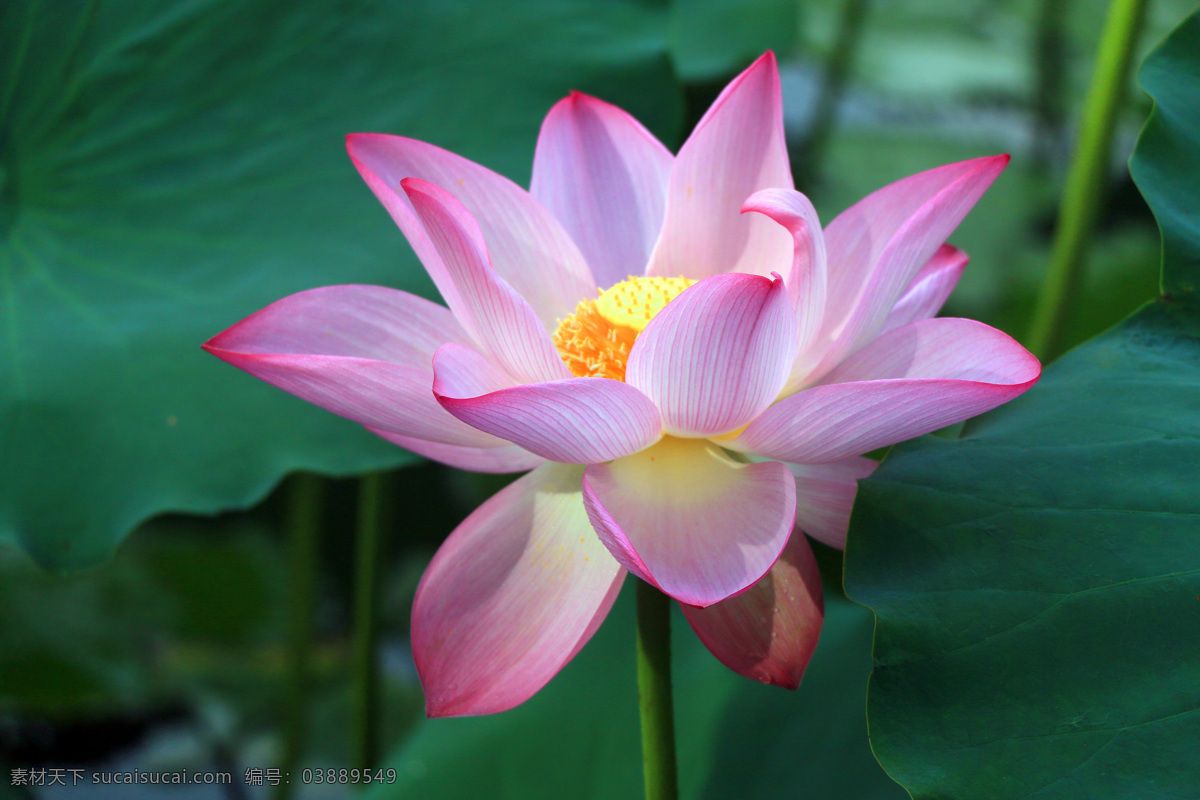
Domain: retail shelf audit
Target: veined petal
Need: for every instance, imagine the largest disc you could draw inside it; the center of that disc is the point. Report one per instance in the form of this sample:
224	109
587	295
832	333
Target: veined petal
930	289
495	315
737	148
877	246
575	421
717	354
503	458
529	248
350	320
825	496
362	352
910	381
687	518
604	176
514	593
769	632
807	280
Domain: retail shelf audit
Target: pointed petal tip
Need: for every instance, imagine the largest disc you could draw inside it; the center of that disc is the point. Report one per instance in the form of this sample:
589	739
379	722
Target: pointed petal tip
356	140
768	62
447	707
576	98
767	58
996	162
413	186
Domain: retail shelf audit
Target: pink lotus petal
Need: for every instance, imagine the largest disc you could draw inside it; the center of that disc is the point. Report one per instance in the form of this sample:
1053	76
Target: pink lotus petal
529	248
511	597
877	246
505	458
930	289
910	381
769	632
737	148
494	314
604	176
825	496
716	355
689	519
807	280
576	421
362	352
350	320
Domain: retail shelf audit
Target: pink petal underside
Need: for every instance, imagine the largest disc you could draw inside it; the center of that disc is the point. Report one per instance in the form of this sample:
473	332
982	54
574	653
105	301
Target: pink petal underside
807	280
604	177
514	593
529	248
825	496
717	354
877	246
493	313
687	518
737	148
362	352
504	458
930	289
350	320
769	632
910	381
575	421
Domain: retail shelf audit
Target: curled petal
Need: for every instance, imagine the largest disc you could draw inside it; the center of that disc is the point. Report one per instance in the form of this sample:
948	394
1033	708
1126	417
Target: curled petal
908	382
604	176
514	593
930	289
737	148
529	248
495	315
716	355
825	496
770	631
807	279
687	518
575	421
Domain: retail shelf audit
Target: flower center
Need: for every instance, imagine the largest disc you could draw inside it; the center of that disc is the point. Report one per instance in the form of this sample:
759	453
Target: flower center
596	339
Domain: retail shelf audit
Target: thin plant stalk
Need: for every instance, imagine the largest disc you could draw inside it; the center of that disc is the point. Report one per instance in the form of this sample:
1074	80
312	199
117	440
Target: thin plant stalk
305	505
654	693
1084	190
366	700
829	93
1050	58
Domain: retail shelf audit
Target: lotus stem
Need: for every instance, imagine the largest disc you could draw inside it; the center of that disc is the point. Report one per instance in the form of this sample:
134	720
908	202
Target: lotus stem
1086	178
829	93
654	693
305	503
366	701
1050	58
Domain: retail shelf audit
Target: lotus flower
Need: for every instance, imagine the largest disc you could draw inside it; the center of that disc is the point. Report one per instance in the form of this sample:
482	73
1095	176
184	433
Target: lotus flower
687	364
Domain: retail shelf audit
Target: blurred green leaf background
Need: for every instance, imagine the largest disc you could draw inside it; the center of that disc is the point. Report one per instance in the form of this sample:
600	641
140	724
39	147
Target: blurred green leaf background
169	166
